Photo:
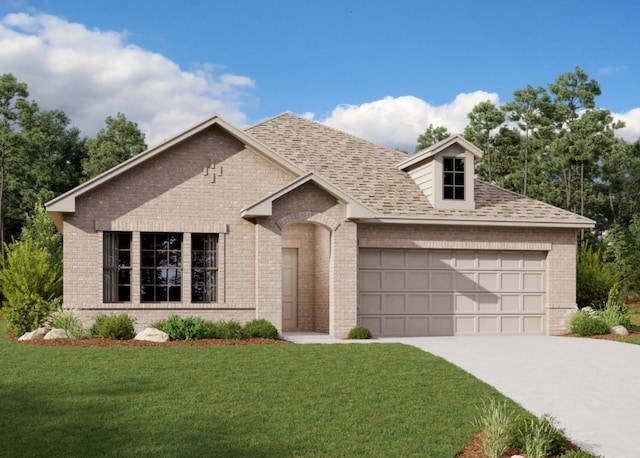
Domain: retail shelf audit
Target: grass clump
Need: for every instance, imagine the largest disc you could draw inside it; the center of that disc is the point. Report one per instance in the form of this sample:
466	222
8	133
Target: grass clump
68	321
359	332
584	324
494	420
538	437
118	327
259	328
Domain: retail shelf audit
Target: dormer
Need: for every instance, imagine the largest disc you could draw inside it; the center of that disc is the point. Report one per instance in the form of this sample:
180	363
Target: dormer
444	173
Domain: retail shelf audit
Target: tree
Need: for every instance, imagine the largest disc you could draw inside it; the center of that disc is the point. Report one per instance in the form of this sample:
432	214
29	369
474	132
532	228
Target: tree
531	110
47	164
119	141
431	136
31	274
621	182
484	118
15	113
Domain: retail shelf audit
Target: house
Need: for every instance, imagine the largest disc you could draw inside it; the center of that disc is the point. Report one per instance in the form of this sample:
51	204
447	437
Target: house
314	229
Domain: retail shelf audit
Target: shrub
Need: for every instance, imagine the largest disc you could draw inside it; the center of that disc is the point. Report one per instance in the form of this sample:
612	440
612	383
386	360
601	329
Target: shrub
594	278
68	321
30	283
178	328
494	421
616	311
259	328
225	330
585	325
359	332
578	454
538	437
119	327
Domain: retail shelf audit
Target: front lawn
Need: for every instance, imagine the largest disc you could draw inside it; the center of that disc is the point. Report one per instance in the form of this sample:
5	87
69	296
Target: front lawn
229	401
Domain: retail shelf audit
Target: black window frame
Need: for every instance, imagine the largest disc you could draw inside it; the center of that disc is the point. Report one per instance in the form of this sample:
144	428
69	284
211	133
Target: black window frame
204	267
453	178
116	266
161	266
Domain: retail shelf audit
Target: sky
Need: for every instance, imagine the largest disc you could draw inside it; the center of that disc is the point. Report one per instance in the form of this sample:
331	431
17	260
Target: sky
382	70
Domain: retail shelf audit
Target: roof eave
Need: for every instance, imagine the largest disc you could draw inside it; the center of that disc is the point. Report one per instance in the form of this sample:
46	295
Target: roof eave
448	221
438	147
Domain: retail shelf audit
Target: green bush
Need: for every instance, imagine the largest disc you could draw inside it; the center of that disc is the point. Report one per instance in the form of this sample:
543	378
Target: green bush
178	328
119	327
30	283
68	321
359	332
259	328
586	325
594	278
225	330
614	317
537	437
578	454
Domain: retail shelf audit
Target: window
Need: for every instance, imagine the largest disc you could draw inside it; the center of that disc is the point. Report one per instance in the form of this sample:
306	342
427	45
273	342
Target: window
453	179
161	267
204	264
116	267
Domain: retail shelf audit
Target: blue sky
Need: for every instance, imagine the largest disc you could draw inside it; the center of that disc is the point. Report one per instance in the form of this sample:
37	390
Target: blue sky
382	70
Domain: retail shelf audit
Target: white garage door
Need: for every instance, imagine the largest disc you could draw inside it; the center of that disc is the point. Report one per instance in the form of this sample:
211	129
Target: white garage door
451	292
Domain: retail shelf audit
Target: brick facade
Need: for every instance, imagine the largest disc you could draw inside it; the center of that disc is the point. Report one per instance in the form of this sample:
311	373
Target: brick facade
201	184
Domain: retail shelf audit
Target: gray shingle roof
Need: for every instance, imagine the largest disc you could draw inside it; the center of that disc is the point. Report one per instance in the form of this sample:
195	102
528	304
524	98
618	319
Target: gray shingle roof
369	173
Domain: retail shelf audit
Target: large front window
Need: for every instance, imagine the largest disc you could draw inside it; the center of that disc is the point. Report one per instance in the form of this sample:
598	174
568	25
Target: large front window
160	267
453	178
204	267
116	267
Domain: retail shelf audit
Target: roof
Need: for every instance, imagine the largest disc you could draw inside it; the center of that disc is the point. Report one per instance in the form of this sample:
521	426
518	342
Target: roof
367	177
370	173
442	145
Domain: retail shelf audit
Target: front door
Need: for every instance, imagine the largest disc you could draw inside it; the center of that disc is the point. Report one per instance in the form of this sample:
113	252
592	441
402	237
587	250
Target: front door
289	289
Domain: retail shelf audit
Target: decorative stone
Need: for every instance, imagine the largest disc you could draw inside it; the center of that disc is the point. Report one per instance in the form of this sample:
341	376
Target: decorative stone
619	330
589	310
33	335
56	334
152	335
517	456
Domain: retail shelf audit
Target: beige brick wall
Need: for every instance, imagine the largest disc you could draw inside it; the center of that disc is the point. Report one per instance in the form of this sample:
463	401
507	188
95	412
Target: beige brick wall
558	243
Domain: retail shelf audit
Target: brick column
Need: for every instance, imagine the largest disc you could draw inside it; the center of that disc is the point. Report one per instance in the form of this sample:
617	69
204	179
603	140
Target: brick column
343	285
561	283
269	273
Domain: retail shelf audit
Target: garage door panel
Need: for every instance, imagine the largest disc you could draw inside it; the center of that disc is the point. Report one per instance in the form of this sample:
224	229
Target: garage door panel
370	281
532	281
465	304
488	303
442	281
394	281
488	281
532	325
370	303
451	292
441	303
441	326
533	303
466	281
417	281
418	303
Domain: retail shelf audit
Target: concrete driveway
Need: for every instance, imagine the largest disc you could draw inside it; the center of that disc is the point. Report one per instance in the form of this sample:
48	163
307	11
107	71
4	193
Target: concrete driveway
592	387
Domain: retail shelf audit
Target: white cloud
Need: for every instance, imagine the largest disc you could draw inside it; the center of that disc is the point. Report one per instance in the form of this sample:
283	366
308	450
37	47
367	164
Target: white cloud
611	70
631	118
398	121
92	74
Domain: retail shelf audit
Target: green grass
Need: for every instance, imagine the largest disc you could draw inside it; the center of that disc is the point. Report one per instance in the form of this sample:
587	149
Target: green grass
259	401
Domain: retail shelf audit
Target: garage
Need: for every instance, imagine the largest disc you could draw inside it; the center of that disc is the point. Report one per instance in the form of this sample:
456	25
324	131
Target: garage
420	292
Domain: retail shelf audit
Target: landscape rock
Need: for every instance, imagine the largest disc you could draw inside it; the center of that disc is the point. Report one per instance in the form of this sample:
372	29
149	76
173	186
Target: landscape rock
33	335
517	456
152	335
619	330
56	334
589	310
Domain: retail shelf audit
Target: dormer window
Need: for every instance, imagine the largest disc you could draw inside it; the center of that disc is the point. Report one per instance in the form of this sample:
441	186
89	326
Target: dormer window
453	178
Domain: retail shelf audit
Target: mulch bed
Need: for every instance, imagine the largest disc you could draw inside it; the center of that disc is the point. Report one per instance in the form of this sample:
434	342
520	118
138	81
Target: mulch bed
474	449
